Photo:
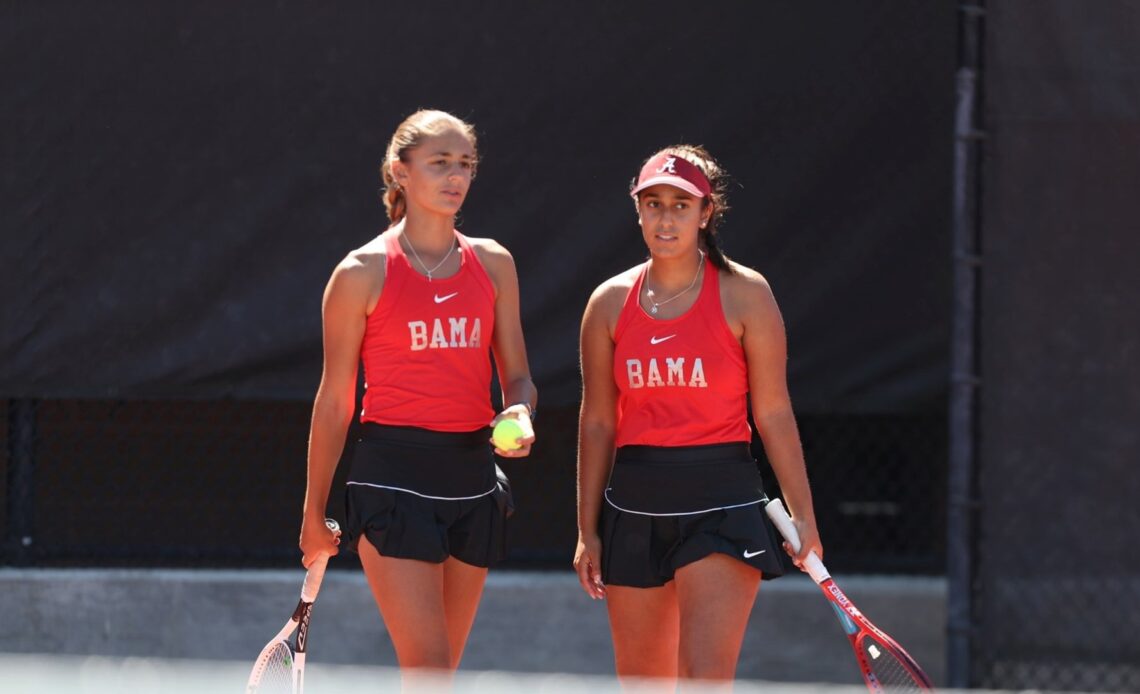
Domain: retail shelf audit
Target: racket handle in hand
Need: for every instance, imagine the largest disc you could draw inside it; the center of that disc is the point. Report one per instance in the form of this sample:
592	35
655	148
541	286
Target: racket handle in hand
316	572
783	522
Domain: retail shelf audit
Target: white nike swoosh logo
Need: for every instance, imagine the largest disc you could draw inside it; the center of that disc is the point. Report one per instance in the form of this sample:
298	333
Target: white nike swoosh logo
659	340
749	555
440	299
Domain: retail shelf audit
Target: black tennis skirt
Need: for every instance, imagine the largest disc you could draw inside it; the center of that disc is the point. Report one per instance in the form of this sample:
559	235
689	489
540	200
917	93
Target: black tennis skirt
427	495
667	507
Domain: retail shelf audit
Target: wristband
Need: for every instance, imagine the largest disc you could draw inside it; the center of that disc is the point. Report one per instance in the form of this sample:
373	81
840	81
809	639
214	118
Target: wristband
530	411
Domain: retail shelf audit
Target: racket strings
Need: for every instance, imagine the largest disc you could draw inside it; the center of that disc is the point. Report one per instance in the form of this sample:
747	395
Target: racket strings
888	668
275	675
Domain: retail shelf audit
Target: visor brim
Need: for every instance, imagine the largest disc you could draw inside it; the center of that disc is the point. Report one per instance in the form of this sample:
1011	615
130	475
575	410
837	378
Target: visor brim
675	181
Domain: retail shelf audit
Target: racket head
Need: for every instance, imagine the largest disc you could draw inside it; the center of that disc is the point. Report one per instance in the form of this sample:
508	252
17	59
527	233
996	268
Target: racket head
886	666
274	671
883	663
280	666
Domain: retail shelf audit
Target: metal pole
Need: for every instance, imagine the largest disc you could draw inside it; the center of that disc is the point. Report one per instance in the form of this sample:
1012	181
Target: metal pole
21	480
964	376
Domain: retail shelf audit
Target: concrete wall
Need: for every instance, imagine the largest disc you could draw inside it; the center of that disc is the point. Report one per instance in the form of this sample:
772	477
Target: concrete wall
528	622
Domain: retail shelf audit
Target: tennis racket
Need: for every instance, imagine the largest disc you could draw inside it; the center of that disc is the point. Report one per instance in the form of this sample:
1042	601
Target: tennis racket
280	668
886	666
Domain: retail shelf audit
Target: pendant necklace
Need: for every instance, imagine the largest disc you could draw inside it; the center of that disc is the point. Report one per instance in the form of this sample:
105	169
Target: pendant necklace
658	304
425	267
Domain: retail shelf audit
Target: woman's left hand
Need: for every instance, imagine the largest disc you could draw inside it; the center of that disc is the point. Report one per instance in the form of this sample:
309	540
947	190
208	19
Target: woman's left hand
521	414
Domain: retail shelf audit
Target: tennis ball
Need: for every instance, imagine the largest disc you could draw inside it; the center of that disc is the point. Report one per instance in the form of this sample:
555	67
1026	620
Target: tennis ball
505	433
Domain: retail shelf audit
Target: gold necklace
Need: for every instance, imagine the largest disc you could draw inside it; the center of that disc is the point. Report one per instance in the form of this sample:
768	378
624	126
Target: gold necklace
658	304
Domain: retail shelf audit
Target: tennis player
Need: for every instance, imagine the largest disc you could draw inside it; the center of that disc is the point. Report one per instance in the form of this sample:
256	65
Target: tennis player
672	531
423	308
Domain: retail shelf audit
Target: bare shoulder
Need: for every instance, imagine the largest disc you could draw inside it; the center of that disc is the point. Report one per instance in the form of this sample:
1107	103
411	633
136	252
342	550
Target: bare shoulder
369	258
492	254
361	272
749	305
747	289
369	255
609	296
497	262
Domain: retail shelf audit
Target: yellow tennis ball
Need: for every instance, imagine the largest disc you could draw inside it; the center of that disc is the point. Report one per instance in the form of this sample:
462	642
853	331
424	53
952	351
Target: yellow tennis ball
505	433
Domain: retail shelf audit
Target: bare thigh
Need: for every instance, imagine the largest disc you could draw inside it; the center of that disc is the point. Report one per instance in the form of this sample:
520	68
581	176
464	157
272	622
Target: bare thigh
714	597
644	625
462	590
427	608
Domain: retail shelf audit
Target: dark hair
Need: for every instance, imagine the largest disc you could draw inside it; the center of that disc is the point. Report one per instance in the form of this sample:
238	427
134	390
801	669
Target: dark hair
718	198
409	135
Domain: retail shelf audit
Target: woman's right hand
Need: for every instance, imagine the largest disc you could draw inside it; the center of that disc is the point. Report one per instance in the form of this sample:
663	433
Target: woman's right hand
317	539
588	564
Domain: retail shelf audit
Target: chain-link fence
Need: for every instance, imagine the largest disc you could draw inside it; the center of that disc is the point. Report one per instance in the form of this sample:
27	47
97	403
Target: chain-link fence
221	483
1057	587
1069	633
153	483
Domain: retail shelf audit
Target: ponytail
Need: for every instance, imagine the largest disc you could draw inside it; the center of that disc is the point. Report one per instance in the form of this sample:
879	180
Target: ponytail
394	201
716	255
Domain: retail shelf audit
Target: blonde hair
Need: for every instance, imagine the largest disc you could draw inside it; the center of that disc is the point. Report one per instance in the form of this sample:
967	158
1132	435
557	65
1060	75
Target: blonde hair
409	135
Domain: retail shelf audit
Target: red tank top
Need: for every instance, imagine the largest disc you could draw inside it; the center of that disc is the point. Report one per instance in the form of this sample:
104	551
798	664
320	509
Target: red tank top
426	345
682	381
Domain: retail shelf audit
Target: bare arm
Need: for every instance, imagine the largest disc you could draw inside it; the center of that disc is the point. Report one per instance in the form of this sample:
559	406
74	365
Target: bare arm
343	315
520	396
765	349
597	423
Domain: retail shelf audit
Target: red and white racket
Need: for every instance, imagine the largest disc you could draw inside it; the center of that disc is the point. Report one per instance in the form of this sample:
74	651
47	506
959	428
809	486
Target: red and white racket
280	668
886	666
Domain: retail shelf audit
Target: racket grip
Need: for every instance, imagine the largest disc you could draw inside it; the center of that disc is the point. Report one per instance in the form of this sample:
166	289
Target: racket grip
783	522
316	572
313	578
